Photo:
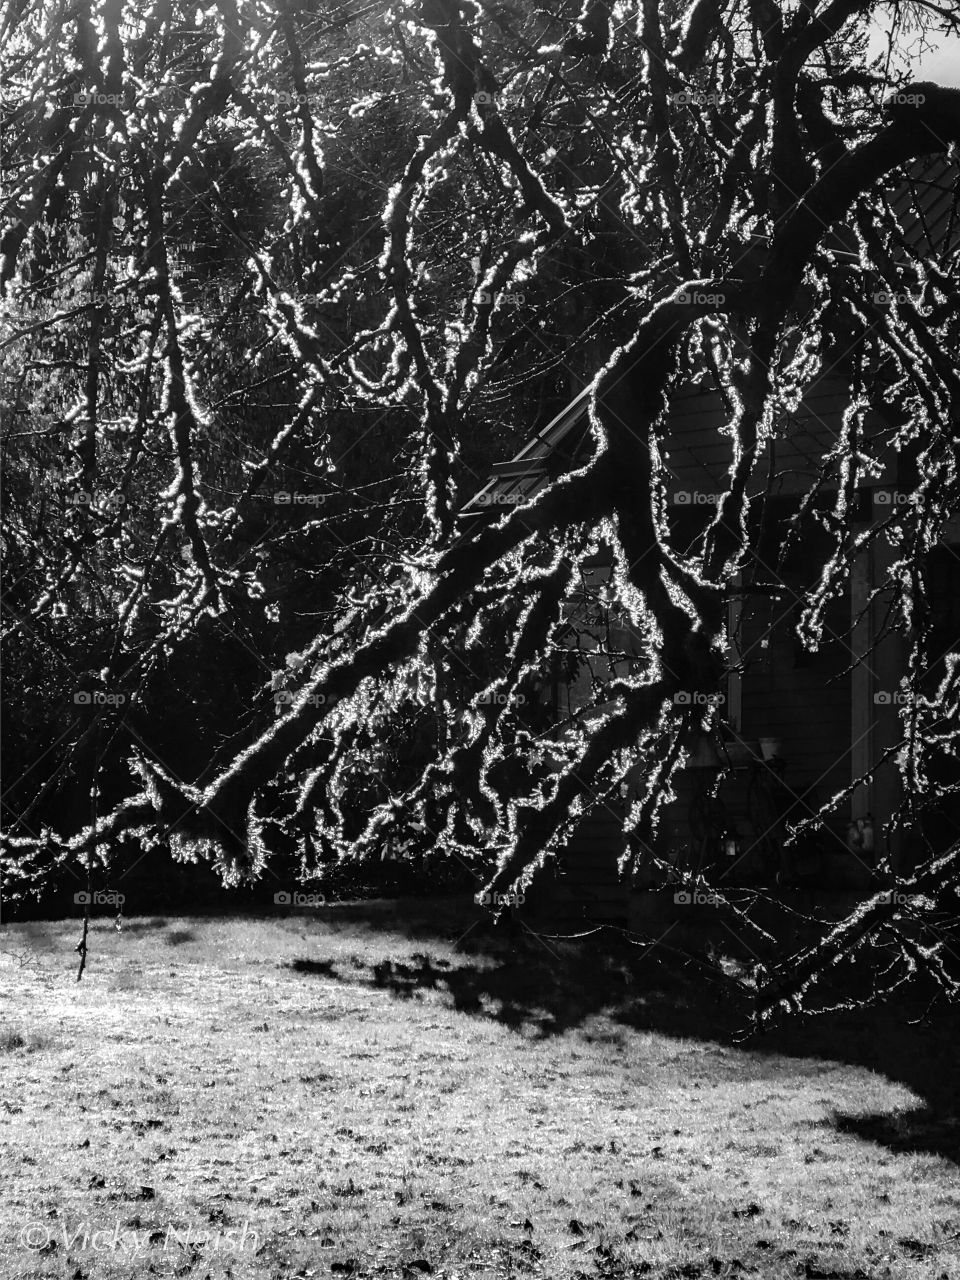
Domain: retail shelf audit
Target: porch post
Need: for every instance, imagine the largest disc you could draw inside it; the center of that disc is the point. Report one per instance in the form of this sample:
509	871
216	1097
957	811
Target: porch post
734	657
888	663
861	686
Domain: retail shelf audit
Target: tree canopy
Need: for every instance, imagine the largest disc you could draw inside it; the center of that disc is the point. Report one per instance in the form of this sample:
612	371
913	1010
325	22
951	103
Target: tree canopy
280	281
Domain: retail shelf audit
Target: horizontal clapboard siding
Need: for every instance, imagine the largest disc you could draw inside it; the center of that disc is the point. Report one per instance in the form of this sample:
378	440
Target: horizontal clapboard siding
927	206
699	453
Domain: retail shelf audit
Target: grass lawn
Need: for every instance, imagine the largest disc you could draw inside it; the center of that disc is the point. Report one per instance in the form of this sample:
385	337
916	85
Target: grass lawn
358	1093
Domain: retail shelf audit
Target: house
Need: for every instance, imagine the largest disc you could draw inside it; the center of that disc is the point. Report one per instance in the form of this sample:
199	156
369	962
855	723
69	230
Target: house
799	727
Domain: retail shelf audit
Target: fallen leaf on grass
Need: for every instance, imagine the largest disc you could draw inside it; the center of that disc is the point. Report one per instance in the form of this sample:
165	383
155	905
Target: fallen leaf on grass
916	1247
748	1211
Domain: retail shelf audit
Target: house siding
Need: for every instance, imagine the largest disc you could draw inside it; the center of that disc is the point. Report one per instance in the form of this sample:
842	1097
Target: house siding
808	701
699	454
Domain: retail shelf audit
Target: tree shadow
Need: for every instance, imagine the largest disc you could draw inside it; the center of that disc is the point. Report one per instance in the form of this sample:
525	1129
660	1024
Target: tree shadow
177	937
317	968
924	1129
543	986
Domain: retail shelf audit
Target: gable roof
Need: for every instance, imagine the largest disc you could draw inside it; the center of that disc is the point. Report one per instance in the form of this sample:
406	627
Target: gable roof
519	478
928	205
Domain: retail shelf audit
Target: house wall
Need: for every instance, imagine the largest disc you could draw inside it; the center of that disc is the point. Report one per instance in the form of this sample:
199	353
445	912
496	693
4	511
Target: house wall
826	719
698	453
588	871
803	699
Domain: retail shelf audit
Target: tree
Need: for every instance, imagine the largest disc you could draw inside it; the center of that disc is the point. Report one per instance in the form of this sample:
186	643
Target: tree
619	192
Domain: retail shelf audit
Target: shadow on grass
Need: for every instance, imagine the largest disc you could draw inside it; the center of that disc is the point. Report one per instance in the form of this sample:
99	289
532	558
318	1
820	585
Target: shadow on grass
925	1129
177	937
544	986
550	992
318	968
139	926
